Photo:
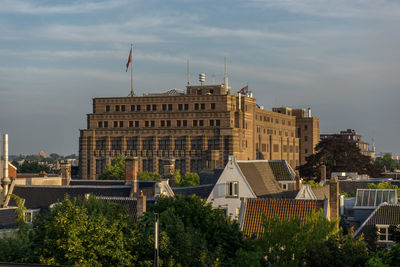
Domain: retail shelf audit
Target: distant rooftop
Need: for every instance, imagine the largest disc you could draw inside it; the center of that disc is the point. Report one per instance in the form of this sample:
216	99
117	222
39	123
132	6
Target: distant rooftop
371	198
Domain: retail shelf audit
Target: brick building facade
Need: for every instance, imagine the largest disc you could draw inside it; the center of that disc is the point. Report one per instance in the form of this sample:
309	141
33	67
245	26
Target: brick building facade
199	128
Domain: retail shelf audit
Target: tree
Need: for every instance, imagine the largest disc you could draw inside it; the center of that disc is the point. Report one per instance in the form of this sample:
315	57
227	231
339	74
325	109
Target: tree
387	162
383	185
149	176
338	155
189	179
115	171
191	233
32	167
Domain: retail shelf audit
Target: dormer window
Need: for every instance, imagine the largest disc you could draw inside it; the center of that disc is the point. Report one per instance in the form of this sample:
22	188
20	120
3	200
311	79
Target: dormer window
232	189
382	233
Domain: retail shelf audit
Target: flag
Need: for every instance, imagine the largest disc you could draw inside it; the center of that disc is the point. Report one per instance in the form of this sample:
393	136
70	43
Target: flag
244	89
129	60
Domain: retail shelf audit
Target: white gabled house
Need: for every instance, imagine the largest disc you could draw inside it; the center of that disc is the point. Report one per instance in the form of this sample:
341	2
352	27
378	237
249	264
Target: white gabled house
242	179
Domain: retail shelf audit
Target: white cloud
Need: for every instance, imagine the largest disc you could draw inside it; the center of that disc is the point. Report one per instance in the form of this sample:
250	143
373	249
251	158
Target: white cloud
28	7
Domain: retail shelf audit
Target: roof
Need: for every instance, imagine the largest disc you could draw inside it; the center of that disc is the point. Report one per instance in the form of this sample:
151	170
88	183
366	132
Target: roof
7	217
386	214
321	192
172	92
260	177
202	191
210	176
129	202
281	170
284	209
371	198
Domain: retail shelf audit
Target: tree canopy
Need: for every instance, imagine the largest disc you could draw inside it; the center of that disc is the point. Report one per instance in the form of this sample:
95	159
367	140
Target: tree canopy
338	155
188	179
387	162
32	167
115	171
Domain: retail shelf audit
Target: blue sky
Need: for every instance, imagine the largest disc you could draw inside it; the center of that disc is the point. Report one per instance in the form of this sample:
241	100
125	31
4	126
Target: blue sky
340	57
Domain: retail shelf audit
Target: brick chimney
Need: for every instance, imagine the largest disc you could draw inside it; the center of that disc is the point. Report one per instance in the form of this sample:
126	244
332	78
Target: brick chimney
65	172
297	179
131	170
140	204
334	198
323	174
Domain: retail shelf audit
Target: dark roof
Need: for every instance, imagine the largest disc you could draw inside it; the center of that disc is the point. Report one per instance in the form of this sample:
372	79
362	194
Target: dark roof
202	191
142	183
386	214
349	186
284	209
210	176
321	192
129	202
260	177
281	170
7	217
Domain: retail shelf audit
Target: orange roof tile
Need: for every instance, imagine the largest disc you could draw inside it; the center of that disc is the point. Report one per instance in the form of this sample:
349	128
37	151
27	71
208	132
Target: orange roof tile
284	208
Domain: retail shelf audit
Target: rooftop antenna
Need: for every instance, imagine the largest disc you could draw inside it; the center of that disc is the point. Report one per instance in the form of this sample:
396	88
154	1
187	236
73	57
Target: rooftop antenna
225	75
188	72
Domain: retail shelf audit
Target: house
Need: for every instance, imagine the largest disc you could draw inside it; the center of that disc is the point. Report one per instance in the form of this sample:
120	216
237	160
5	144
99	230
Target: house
253	210
382	225
243	179
283	173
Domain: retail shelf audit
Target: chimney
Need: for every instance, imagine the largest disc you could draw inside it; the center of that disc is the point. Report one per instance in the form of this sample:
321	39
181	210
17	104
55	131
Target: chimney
323	174
6	180
65	172
131	170
334	198
297	185
168	168
140	204
309	112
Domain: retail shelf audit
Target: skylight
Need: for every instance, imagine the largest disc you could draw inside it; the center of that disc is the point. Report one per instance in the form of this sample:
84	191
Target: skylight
370	198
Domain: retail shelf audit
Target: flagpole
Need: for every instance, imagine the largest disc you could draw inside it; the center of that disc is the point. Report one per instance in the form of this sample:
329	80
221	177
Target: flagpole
131	94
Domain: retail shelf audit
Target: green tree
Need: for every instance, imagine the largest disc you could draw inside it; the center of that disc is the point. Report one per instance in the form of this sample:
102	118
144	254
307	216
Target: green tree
388	162
191	233
149	176
32	167
383	185
115	171
75	232
189	179
338	155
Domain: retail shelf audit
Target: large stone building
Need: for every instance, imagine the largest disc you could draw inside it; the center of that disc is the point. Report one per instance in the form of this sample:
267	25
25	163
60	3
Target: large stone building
198	128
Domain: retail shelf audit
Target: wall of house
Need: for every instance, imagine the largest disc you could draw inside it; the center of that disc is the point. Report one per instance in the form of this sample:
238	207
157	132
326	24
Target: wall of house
218	196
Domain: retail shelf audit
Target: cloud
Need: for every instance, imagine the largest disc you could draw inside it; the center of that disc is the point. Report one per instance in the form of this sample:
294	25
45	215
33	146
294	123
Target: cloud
27	7
384	9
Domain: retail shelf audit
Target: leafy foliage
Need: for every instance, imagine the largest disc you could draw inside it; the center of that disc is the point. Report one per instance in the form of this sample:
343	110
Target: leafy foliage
189	179
191	233
149	176
115	171
32	167
387	162
312	183
383	185
338	155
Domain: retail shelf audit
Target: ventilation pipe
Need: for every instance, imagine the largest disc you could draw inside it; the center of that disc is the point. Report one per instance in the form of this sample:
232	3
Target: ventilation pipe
309	113
6	180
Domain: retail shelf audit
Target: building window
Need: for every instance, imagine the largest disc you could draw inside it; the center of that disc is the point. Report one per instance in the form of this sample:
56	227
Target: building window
211	122
194	123
117	108
148	107
284	187
162	123
276	148
138	107
180	144
169	106
100	124
148	144
154	107
305	127
101	143
217	122
164	106
232	189
106	124
306	150
203	106
123	108
146	124
186	106
197	143
107	108
152	123
147	165
201	123
178	123
132	143
180	107
212	105
306	138
115	124
168	123
184	122
196	106
213	143
121	124
382	233
132	107
130	123
116	143
164	143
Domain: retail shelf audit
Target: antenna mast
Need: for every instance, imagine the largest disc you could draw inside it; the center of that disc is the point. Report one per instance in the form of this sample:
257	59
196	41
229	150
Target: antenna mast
188	72
225	75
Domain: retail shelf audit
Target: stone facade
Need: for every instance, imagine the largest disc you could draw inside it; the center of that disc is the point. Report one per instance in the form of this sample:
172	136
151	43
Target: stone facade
198	128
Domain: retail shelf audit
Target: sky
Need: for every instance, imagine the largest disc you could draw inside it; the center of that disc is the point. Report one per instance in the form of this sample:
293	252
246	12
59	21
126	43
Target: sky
341	58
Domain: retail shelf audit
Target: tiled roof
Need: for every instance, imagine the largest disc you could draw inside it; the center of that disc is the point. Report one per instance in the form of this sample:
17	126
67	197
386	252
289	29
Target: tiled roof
386	214
352	186
289	208
281	170
202	191
260	177
210	176
321	192
7	217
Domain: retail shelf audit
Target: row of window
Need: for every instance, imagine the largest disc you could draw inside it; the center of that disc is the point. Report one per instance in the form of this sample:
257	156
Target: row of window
273	131
164	143
163	107
163	123
275	147
268	119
